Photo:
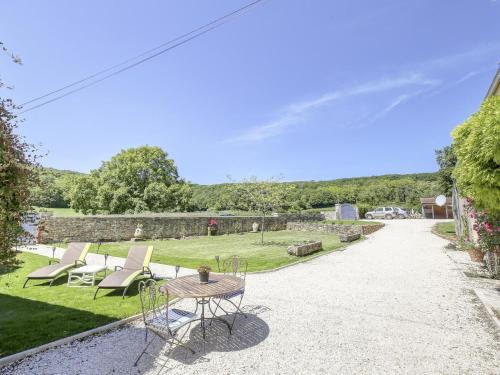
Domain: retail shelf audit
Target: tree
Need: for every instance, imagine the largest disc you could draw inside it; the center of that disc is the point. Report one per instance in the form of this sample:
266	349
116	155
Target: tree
48	192
263	197
446	160
135	180
52	183
17	164
81	192
476	144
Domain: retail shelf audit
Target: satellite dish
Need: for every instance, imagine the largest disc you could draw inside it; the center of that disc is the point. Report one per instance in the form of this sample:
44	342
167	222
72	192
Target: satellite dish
441	200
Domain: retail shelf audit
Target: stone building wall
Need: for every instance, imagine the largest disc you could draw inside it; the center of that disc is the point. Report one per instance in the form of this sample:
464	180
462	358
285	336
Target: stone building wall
122	227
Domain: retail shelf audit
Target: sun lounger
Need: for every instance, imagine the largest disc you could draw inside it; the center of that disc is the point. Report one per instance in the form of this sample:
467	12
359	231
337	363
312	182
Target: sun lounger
136	264
73	256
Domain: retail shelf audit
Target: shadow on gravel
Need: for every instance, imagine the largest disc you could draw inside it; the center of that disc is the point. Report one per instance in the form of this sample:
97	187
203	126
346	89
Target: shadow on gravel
247	333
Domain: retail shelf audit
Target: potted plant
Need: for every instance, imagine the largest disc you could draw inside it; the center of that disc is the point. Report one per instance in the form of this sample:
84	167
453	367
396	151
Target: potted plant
212	226
204	272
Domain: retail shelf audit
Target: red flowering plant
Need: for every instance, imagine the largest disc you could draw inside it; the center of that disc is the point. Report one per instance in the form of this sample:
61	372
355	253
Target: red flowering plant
487	227
212	223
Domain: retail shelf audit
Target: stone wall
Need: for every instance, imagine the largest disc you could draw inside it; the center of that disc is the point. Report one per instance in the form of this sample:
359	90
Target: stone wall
339	229
369	229
122	227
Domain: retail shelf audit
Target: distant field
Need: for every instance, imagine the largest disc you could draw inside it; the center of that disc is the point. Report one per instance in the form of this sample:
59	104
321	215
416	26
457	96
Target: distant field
59	212
69	212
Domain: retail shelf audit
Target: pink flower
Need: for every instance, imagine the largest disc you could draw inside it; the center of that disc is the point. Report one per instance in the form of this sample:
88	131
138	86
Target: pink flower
488	227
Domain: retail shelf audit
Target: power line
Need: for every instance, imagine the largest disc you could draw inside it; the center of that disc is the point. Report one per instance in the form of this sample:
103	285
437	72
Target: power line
194	34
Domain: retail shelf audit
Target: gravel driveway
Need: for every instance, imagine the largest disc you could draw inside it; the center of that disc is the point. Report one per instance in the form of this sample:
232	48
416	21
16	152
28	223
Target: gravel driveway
391	304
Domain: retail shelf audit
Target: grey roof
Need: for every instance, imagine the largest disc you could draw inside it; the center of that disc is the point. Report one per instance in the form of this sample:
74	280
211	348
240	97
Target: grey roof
495	85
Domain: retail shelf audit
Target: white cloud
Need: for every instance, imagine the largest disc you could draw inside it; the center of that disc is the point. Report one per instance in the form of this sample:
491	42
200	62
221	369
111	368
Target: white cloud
296	112
480	52
466	77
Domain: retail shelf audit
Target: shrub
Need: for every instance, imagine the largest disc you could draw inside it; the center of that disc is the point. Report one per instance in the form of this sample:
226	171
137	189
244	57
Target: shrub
477	147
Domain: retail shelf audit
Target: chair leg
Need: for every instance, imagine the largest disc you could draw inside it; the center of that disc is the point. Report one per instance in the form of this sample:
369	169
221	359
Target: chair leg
26	282
50	284
238	311
217	305
237	306
95	294
125	292
144	351
179	343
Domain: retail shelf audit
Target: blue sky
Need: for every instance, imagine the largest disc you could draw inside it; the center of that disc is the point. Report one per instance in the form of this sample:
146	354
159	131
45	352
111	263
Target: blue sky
306	90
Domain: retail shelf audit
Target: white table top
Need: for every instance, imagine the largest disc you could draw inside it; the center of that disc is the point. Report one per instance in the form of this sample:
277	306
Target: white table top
89	268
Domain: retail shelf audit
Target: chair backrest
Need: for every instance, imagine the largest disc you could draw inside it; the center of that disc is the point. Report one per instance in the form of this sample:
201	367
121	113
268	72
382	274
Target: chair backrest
75	251
154	303
150	299
236	266
138	257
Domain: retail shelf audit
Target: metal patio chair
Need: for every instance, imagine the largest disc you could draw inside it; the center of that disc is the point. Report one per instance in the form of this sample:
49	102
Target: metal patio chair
161	320
235	266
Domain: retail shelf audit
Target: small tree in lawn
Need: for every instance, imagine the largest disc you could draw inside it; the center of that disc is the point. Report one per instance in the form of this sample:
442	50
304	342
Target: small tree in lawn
263	197
17	164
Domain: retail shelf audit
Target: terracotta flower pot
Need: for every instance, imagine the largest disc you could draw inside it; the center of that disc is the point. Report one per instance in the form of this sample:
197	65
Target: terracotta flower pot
476	255
204	277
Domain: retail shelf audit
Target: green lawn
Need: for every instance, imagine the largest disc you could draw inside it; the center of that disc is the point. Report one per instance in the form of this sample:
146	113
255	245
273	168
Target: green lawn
192	252
39	314
446	228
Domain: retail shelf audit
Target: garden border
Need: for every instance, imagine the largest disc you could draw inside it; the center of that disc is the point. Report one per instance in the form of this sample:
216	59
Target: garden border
5	361
65	340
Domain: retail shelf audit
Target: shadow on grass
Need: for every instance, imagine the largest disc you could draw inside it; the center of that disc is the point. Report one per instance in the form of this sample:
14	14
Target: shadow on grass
25	323
5	269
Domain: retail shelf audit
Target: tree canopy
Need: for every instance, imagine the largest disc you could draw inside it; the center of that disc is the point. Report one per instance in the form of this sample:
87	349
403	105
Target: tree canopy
264	197
477	147
397	190
446	160
135	180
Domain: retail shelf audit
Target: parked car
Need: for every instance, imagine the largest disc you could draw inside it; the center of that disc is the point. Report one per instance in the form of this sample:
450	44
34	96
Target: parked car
382	213
401	213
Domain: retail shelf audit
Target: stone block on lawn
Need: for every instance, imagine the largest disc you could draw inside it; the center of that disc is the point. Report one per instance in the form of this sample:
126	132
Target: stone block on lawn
349	237
304	248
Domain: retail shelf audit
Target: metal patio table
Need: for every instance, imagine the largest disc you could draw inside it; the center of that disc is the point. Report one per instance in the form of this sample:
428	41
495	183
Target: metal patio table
191	287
